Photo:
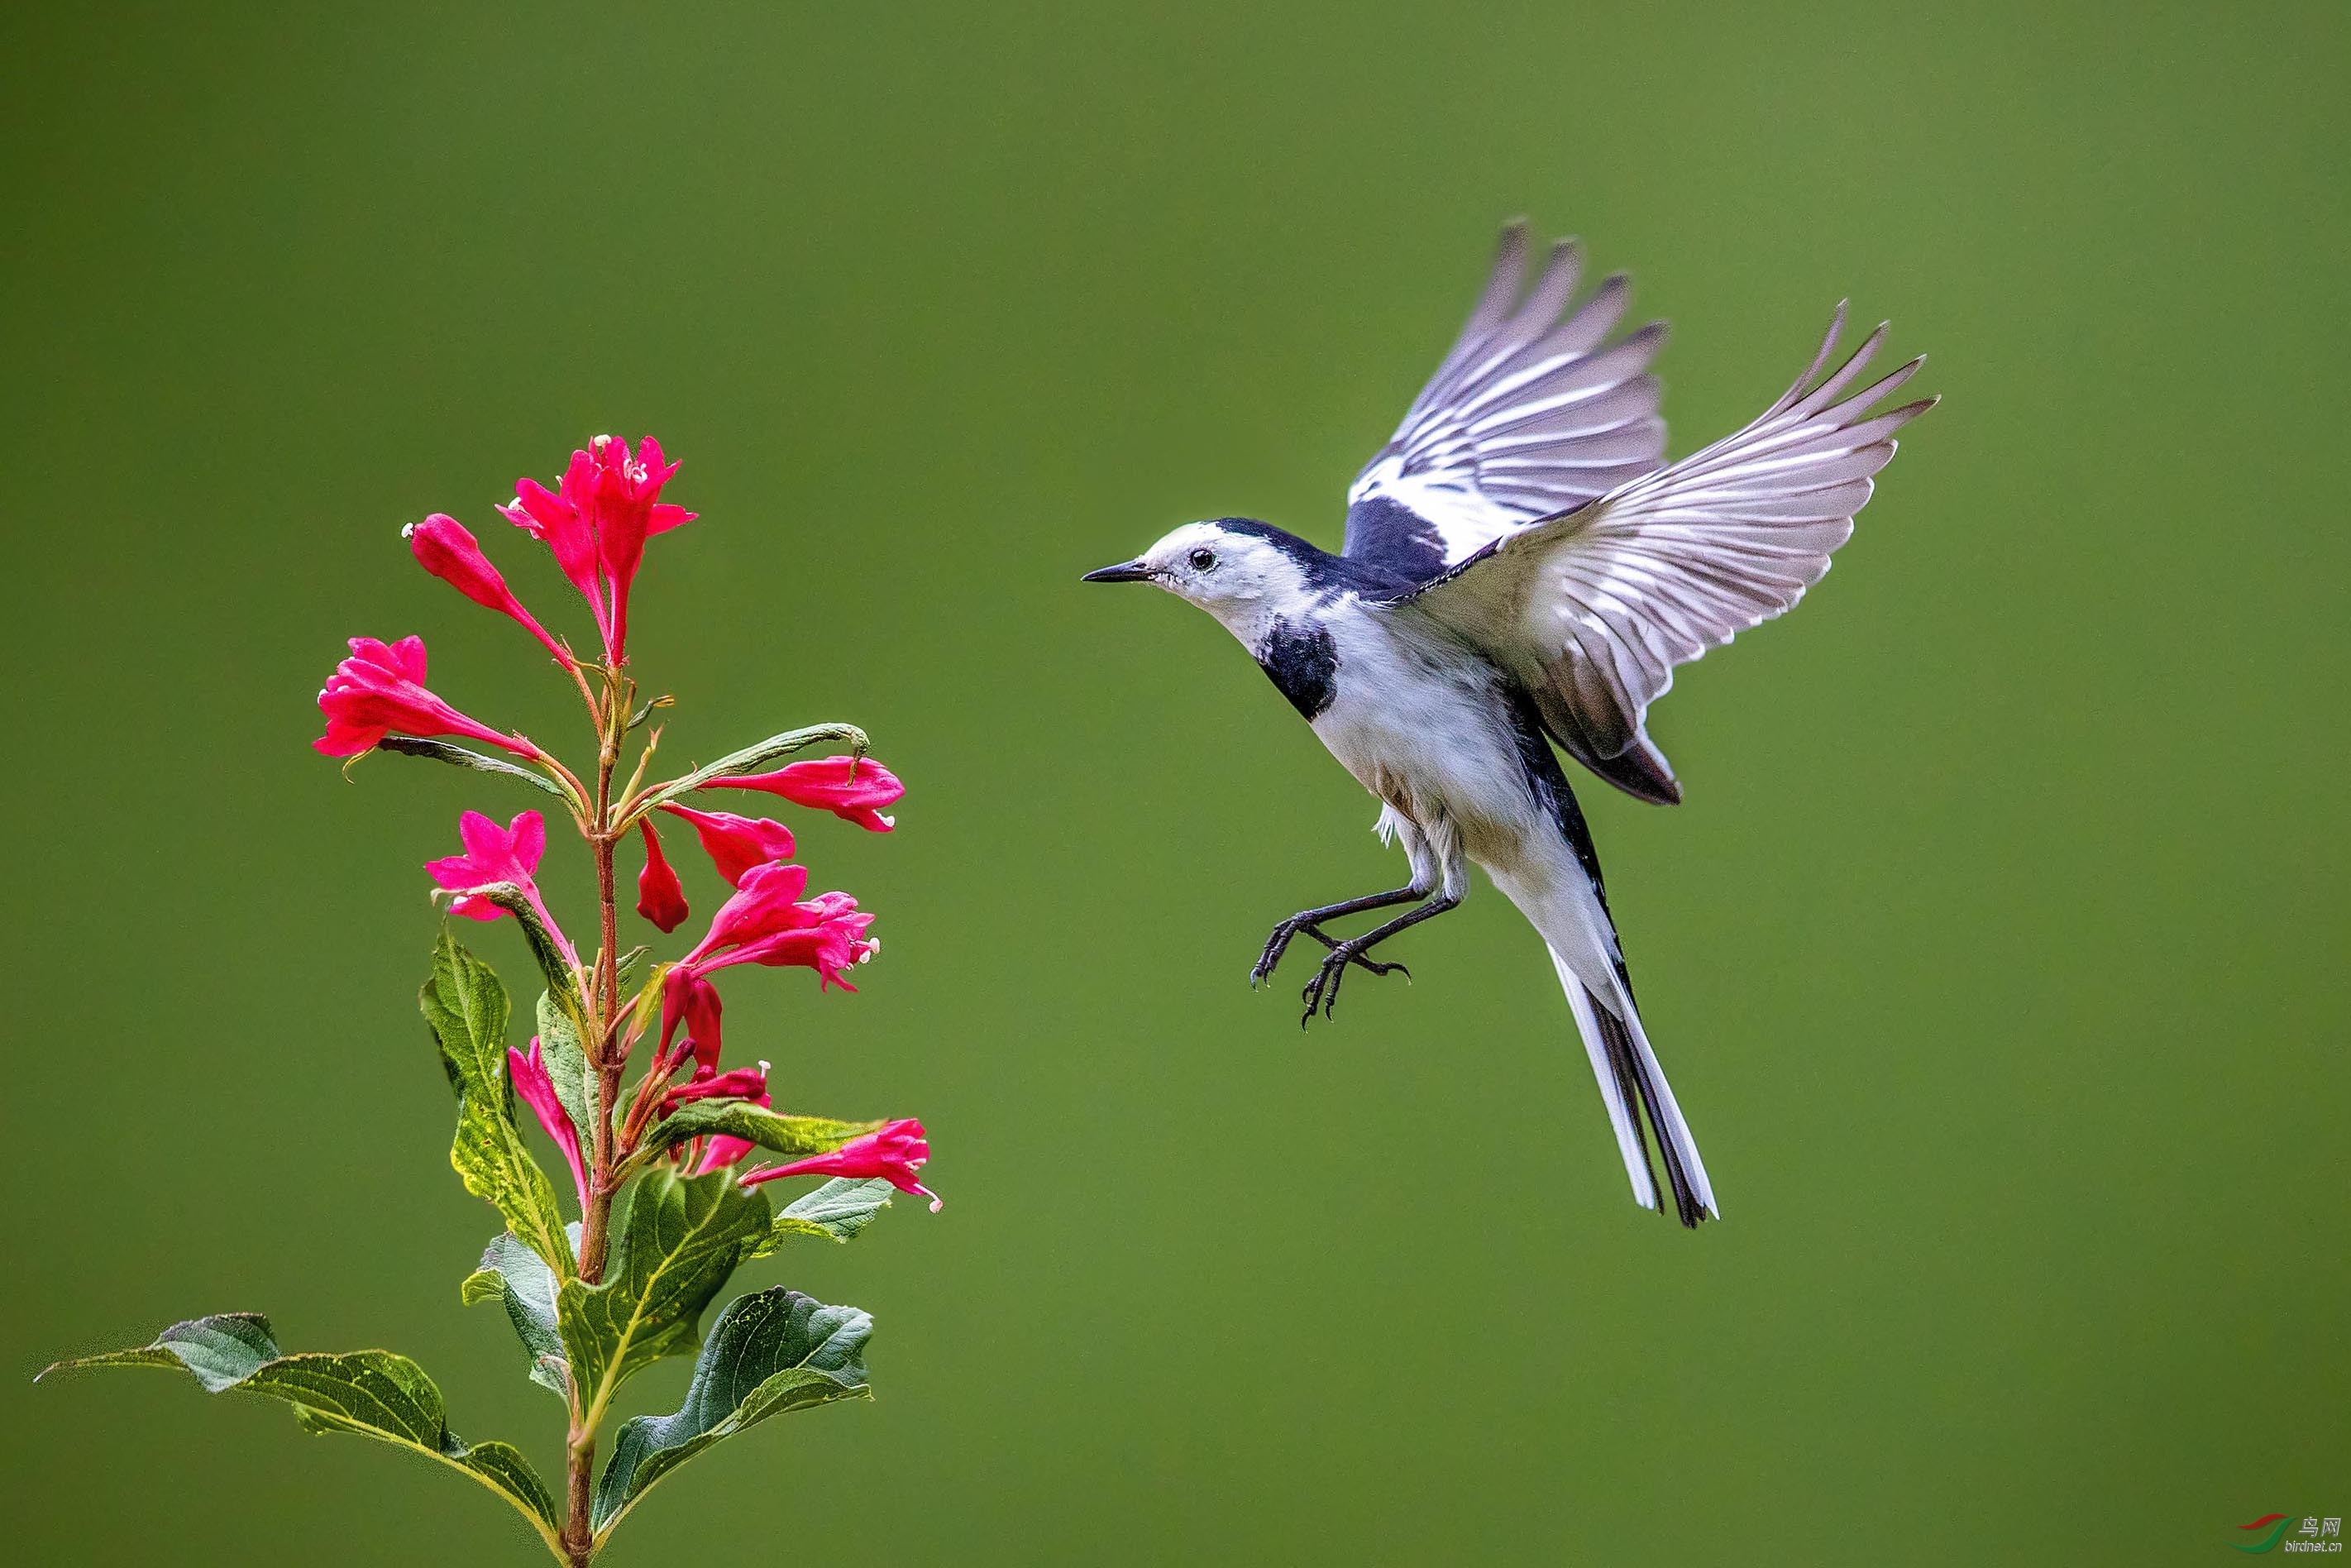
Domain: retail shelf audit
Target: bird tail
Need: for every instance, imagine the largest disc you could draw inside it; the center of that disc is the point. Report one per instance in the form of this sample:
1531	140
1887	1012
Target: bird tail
1635	1090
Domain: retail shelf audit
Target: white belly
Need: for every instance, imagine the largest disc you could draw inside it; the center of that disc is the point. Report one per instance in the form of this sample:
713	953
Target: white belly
1424	728
1416	724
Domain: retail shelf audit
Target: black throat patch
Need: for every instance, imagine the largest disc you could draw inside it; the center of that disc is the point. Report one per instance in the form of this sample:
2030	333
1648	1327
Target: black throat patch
1302	662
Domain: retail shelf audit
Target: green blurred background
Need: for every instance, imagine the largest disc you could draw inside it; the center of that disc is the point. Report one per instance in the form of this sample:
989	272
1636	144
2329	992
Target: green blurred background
1997	956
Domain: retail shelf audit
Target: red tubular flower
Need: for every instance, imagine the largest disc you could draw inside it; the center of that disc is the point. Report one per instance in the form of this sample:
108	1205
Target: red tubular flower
380	689
735	844
743	1083
762	924
443	548
690	1002
596	523
763	903
549	516
495	854
830	943
894	1153
536	1090
851	788
660	897
629	510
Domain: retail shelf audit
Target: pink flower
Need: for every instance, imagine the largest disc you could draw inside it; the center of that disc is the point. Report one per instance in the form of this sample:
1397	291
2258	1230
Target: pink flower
763	903
743	1083
691	1003
538	1090
596	523
552	518
833	939
381	689
443	548
851	788
735	844
495	854
894	1153
763	923
660	897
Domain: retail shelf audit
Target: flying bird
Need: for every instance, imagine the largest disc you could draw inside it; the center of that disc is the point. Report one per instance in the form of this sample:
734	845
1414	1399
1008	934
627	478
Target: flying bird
1524	569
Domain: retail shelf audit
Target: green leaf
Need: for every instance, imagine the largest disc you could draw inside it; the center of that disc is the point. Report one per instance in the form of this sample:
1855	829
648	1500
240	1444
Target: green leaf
371	1393
752	760
552	966
458	757
770	1351
516	1278
680	1242
566	1061
739	1119
467	1007
836	1211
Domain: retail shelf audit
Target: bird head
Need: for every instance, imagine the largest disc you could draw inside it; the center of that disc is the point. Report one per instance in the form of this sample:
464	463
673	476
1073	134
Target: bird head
1243	572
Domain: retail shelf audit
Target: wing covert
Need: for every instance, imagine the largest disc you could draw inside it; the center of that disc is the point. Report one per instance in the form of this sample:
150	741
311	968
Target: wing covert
1532	412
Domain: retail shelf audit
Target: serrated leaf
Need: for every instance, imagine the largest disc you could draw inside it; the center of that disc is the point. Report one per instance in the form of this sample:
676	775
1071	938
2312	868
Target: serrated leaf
517	1278
681	1240
371	1393
773	1351
468	1008
741	1119
834	1212
566	1061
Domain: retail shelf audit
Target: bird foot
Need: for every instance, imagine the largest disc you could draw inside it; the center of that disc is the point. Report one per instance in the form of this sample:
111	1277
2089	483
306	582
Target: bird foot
1278	944
1322	990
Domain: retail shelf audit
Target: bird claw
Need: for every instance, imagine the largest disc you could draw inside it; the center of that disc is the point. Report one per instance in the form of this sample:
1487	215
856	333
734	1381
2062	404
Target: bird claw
1322	991
1277	945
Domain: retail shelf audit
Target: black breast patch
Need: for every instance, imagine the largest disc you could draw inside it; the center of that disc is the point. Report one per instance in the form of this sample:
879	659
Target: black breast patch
1303	665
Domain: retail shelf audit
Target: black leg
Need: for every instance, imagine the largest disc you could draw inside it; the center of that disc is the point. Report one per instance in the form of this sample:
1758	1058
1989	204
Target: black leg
1310	922
1322	991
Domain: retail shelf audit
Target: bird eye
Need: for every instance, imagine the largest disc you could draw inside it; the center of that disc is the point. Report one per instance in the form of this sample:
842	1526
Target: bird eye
1204	560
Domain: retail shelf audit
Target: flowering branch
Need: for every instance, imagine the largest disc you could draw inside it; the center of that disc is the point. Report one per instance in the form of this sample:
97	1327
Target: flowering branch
590	1307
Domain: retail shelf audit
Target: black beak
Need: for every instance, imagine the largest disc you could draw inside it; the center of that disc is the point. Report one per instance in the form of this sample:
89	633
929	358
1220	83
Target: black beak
1124	571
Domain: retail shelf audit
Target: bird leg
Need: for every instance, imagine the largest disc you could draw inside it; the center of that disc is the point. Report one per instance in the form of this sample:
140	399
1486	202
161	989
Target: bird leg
1310	922
1322	990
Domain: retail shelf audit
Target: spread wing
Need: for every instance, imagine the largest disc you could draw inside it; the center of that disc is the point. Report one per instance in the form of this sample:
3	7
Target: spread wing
1592	608
1530	413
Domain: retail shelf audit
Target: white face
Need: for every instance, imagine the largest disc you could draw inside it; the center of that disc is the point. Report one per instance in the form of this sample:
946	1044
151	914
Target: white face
1240	579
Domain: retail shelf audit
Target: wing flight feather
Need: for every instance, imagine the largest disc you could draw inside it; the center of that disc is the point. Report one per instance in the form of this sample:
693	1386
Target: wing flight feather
1532	412
1593	606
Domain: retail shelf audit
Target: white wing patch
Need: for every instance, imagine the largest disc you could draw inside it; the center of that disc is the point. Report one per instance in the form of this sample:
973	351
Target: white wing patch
1527	415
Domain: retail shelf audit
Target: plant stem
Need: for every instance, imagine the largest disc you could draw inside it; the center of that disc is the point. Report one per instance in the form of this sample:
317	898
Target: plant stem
606	1068
579	1534
580	1451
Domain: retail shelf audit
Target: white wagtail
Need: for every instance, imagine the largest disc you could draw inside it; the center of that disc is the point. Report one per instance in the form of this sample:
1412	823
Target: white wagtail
1522	562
